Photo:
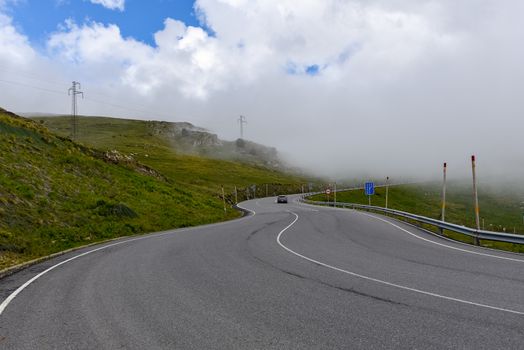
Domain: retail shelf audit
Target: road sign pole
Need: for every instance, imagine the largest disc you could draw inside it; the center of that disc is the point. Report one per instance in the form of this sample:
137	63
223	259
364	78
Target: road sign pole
236	195
443	216
369	190
335	195
475	195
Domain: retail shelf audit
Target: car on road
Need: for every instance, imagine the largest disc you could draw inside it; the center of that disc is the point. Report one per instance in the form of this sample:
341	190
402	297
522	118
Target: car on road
282	199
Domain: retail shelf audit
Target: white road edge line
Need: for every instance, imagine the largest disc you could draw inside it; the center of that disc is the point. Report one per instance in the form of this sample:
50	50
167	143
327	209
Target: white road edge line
13	295
246	209
385	282
306	209
428	240
441	244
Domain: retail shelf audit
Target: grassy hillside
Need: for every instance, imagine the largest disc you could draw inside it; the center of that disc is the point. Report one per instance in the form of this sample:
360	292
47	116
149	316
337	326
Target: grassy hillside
142	141
499	211
56	194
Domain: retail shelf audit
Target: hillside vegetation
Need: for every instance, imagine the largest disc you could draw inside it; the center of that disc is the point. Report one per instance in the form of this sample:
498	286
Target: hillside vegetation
499	210
151	143
183	137
56	194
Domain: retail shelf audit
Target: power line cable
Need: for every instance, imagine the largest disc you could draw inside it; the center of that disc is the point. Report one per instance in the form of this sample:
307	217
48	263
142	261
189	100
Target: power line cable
128	108
55	82
32	86
32	76
144	111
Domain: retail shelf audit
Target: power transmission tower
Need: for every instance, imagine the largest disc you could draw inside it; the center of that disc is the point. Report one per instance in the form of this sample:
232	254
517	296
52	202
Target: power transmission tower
73	92
242	120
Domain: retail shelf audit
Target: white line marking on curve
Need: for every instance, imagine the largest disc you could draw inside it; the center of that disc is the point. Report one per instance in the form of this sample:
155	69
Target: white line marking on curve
429	240
249	210
385	282
13	295
305	209
441	244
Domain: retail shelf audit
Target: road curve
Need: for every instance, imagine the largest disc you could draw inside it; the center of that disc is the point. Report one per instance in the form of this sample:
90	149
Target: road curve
291	276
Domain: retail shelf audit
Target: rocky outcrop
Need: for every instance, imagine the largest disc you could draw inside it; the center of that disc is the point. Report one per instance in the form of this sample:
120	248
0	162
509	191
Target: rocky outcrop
187	138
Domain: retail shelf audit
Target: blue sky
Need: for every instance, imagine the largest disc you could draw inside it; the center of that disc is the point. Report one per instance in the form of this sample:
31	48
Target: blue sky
140	19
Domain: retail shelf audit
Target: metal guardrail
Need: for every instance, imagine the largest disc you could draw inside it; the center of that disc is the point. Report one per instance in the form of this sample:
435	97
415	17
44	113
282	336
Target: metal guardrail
478	234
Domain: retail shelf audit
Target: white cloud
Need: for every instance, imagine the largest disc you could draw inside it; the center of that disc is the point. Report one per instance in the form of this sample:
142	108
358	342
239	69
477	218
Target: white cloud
95	43
185	56
15	47
111	4
264	37
410	78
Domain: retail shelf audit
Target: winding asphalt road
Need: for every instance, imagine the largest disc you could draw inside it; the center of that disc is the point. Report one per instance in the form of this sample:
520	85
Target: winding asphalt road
290	276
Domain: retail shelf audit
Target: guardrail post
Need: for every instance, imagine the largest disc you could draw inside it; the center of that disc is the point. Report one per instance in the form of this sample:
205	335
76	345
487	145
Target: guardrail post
224	199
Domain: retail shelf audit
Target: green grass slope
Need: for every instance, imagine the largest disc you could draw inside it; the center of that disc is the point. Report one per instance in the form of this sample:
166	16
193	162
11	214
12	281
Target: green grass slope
139	140
56	194
499	211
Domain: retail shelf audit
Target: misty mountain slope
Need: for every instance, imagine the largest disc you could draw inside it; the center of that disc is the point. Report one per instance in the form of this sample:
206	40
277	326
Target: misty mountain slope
187	138
139	140
182	137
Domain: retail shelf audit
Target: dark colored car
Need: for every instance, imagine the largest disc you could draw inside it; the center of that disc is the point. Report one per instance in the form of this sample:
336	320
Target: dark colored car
281	199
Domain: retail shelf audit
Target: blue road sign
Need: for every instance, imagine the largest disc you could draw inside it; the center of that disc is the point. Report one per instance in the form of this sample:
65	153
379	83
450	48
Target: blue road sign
370	188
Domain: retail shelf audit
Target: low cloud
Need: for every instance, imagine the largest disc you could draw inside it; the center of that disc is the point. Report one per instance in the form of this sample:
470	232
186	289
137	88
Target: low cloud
351	88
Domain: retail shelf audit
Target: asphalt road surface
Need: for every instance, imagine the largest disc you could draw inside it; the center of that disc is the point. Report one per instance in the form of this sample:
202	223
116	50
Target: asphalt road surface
290	276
